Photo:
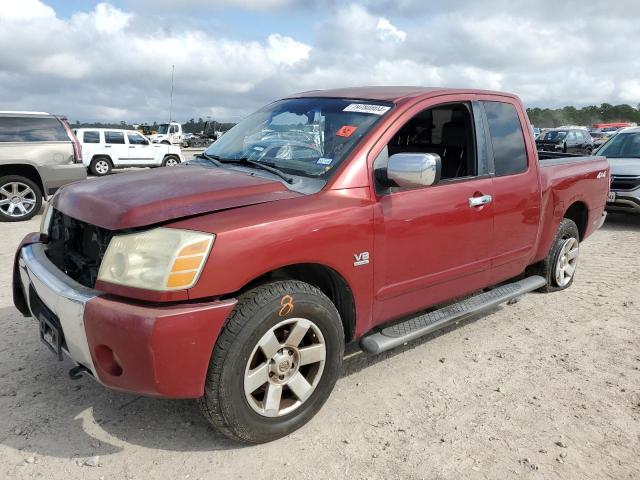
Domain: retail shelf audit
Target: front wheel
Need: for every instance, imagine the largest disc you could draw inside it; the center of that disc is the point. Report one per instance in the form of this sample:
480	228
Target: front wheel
275	362
20	198
170	161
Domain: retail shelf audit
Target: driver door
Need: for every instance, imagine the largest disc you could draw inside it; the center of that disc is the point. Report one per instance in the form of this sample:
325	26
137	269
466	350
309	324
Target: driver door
141	152
433	243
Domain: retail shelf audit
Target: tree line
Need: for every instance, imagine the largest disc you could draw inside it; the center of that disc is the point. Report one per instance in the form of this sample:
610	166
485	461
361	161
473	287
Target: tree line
587	116
191	126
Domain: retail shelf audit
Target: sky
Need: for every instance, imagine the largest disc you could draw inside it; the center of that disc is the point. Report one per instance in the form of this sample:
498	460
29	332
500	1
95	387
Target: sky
112	61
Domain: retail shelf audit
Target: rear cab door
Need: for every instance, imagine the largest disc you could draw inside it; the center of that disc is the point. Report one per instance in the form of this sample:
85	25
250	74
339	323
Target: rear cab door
516	186
116	147
433	243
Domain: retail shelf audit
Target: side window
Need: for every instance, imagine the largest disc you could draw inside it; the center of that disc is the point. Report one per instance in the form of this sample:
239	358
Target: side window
91	136
136	139
116	138
174	129
507	139
446	130
32	129
571	137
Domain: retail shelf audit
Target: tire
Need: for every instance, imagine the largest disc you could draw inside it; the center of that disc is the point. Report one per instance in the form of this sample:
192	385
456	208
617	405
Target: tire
568	237
271	311
100	166
20	198
170	161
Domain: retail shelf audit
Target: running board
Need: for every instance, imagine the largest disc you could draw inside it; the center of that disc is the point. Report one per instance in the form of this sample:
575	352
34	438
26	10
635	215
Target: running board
403	332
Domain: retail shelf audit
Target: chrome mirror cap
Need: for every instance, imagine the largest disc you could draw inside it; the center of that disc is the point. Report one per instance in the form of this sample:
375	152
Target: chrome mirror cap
414	169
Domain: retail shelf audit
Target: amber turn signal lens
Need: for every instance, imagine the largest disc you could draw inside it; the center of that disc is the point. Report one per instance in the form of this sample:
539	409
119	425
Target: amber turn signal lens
184	279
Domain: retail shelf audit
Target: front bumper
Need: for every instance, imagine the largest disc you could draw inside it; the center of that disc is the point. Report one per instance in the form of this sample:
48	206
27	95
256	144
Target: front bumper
626	201
160	350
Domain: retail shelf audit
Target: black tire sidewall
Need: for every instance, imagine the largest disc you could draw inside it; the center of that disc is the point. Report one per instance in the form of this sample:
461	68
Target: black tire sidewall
247	423
36	189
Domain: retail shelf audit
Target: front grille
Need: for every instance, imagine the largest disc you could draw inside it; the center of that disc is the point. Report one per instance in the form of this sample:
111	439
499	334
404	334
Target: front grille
77	248
625	182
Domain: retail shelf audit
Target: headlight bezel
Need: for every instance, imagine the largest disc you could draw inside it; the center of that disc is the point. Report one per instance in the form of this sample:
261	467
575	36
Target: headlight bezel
156	259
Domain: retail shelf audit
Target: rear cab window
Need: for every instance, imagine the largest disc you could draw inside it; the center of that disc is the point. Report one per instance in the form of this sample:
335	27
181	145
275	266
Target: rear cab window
506	138
29	128
114	138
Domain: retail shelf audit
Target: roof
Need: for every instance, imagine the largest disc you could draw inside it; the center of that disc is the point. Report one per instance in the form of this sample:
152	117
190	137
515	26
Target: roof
109	129
390	93
19	112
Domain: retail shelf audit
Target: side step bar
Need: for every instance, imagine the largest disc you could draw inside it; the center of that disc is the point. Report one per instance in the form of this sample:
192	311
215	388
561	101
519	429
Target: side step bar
403	332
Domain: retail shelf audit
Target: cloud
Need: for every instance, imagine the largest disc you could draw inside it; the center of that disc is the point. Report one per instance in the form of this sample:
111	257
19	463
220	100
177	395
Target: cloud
111	63
24	10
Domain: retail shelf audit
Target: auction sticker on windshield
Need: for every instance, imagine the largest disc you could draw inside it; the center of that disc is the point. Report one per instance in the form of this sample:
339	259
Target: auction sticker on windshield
366	108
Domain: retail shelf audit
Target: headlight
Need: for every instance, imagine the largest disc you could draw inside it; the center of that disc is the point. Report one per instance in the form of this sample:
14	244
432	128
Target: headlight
45	223
159	259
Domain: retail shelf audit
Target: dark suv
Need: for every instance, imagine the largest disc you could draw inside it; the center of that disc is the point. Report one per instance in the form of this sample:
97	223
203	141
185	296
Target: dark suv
566	140
38	154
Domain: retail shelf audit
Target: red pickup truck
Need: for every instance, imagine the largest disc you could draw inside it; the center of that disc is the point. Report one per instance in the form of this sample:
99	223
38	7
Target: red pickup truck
323	218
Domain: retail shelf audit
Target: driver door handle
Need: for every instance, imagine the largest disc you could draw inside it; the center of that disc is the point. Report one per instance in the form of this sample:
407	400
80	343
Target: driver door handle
480	201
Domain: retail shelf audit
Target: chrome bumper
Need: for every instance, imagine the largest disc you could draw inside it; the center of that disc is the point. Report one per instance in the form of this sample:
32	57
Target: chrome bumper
62	295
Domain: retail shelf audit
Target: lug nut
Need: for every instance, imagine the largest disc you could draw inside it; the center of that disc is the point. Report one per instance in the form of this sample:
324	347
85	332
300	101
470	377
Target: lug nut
281	377
290	352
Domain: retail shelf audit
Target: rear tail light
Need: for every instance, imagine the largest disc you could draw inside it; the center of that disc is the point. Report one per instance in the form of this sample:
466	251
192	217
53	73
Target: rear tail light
77	147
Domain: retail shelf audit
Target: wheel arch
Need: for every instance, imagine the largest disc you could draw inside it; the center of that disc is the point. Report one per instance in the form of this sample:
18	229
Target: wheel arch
25	170
325	278
579	213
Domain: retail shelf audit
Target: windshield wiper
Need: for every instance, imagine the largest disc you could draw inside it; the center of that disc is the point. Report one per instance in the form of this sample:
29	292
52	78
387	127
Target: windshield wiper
212	158
260	165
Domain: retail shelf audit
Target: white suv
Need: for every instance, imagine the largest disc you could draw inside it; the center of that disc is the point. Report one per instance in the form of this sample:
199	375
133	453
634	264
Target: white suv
106	148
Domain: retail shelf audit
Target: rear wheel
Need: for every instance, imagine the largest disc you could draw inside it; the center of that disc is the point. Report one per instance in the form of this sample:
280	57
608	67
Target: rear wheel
275	362
100	166
559	267
20	198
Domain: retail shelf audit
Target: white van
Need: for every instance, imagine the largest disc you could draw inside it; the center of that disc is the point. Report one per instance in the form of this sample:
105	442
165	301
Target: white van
107	148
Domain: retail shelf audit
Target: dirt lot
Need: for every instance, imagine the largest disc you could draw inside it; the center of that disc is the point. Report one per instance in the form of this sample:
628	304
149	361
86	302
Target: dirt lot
546	388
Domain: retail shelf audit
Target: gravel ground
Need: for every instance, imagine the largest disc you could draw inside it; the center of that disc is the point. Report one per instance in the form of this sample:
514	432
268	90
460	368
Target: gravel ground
546	388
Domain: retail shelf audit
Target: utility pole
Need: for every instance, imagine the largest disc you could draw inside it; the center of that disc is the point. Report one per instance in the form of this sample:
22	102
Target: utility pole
173	67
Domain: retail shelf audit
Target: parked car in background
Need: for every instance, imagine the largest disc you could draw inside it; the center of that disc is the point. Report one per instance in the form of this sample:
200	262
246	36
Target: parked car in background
239	279
623	152
105	149
38	154
574	140
611	127
600	138
168	133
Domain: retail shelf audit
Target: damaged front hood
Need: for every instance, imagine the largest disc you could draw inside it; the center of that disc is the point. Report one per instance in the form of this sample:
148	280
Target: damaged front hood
137	199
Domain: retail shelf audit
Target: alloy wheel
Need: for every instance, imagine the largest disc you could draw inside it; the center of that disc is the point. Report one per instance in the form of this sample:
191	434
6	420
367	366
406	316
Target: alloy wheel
17	199
285	367
567	261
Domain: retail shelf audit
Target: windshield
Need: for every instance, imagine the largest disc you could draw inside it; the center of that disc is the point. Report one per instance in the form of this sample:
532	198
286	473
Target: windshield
301	136
163	128
554	135
623	145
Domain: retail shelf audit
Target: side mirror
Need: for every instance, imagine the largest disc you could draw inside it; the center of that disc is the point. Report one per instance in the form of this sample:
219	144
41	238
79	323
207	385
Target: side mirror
414	169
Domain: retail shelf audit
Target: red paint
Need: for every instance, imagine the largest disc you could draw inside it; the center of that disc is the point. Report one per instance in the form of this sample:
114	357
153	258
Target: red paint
426	245
158	350
158	195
